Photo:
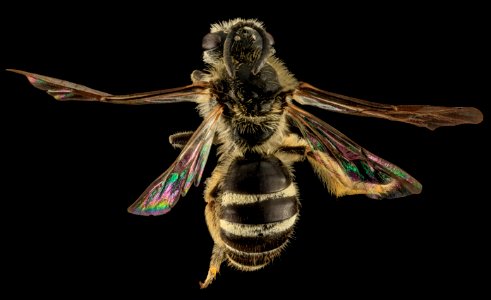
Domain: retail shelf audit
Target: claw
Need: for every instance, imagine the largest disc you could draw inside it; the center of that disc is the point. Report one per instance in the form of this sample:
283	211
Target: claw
212	273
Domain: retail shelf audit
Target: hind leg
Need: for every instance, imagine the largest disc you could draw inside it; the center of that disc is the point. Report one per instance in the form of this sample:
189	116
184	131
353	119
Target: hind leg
217	257
213	222
218	253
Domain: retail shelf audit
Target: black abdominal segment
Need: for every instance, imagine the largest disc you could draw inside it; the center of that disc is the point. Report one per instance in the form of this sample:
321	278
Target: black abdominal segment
263	212
256	244
257	176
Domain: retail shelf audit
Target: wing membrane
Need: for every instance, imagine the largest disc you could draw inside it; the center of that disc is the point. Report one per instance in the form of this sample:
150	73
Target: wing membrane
166	190
427	116
64	91
344	166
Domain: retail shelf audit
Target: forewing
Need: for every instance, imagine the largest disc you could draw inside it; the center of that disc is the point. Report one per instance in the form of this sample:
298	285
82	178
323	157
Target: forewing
427	116
166	190
344	166
64	90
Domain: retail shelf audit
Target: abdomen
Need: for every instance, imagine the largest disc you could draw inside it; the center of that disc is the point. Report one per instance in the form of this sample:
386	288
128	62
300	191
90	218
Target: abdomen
259	208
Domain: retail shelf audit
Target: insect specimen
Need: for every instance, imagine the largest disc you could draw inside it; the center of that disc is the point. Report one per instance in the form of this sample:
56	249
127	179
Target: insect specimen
246	97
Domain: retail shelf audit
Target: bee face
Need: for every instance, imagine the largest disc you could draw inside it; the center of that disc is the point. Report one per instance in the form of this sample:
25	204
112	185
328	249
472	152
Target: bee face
247	47
239	45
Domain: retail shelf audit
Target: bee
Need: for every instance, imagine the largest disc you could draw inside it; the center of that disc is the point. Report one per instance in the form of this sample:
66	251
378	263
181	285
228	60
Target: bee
249	102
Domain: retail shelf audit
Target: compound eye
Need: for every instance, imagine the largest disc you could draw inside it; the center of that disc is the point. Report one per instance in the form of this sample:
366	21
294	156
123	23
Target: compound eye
211	41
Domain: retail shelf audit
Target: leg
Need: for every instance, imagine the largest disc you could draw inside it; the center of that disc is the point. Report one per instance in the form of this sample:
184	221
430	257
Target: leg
293	149
198	76
212	212
217	257
180	139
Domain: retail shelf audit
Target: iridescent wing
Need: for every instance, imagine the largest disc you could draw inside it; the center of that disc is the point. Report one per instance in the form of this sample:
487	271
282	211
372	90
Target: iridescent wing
345	167
427	116
64	90
164	192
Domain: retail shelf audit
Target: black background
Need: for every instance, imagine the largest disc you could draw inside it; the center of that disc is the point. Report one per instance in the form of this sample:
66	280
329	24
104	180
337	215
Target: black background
73	168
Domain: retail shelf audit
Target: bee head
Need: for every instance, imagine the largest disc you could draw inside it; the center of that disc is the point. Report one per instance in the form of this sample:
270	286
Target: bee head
243	45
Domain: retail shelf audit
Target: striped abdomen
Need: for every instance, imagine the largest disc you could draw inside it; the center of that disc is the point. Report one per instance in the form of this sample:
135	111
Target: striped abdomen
259	208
